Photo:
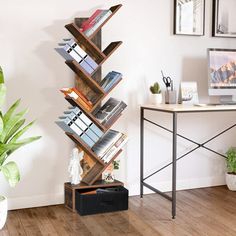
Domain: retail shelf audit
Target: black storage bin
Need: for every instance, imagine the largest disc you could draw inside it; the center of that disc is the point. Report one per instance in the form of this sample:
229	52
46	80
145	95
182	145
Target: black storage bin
105	200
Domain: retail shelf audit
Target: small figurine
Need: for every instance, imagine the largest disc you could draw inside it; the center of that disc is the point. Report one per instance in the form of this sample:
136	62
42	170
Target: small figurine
74	167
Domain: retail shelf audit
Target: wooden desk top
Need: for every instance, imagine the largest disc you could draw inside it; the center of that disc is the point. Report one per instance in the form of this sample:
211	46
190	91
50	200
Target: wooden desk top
181	108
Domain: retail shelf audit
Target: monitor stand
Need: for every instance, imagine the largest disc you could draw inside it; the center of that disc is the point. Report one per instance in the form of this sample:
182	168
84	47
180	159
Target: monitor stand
228	99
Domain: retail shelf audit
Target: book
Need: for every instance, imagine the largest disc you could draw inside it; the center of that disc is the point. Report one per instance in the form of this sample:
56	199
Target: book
109	111
106	142
91	62
68	53
115	148
84	56
86	67
87	121
69	126
75	126
94	25
87	140
80	114
110	80
77	95
90	21
75	47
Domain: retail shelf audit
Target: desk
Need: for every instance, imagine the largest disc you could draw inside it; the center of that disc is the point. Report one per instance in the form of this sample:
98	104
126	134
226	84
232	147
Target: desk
175	109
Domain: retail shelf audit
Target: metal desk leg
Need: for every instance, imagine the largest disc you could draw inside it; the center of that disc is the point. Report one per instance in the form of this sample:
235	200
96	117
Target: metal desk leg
141	150
174	151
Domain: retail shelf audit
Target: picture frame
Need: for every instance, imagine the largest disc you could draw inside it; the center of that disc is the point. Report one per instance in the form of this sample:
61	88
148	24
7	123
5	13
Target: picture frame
188	92
223	22
189	17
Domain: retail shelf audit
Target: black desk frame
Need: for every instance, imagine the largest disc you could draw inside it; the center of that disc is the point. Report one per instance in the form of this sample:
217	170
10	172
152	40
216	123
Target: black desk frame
174	149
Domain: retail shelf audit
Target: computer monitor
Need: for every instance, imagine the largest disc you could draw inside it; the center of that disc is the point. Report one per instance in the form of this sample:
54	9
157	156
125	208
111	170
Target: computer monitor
222	74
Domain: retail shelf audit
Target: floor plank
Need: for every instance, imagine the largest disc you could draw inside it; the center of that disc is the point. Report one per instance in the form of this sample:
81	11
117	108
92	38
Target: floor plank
200	212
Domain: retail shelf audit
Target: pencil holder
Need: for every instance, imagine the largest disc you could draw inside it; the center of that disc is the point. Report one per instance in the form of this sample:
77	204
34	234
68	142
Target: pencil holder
170	97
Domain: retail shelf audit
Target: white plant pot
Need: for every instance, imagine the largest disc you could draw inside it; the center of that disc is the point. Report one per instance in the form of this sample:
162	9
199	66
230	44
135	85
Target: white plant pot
3	211
156	98
231	181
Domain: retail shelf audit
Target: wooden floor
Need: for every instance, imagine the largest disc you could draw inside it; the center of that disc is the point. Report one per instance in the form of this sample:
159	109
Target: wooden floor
209	211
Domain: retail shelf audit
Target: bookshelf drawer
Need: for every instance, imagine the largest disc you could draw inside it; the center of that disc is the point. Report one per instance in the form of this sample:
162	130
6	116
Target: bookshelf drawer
89	202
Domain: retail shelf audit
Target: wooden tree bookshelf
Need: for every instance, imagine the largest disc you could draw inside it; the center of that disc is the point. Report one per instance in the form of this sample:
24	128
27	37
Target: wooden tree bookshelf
90	87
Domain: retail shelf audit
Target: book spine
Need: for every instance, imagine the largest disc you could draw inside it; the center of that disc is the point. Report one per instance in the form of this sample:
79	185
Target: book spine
87	140
99	21
112	84
91	62
114	114
88	22
92	135
72	53
115	148
95	20
86	67
96	130
77	48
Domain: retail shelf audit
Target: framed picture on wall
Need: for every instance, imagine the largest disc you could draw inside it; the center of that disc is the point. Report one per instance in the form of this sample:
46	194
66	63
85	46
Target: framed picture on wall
189	17
224	18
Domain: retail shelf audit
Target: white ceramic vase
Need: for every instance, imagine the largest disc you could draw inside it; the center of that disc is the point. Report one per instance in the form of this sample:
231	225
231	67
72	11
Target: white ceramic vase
231	181
156	98
3	211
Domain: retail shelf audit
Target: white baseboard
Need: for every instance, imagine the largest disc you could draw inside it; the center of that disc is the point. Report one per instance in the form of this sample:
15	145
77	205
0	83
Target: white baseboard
35	201
54	199
181	185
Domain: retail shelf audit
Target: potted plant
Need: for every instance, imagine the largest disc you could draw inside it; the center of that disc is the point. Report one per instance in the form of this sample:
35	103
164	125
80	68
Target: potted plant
156	96
11	129
231	168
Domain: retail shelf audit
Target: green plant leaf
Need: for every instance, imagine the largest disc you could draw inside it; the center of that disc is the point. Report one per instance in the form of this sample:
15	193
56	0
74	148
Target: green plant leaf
1	76
9	125
21	132
7	147
14	130
3	158
11	173
3	91
10	111
1	125
22	143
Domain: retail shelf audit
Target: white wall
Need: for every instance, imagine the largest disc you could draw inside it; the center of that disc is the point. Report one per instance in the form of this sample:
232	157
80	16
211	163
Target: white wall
30	30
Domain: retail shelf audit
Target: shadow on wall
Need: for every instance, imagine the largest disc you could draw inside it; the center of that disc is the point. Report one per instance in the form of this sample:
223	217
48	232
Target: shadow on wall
38	74
195	69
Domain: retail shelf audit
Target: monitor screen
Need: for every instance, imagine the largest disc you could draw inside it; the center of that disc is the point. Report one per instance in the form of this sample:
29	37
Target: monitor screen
222	68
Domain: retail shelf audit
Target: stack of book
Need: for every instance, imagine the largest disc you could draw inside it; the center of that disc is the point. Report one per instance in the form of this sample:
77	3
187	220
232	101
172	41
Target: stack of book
109	112
89	26
76	122
70	51
109	144
78	96
110	80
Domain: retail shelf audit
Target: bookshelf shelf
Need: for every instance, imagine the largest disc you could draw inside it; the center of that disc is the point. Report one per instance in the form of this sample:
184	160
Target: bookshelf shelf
110	49
94	174
89	86
85	147
86	43
113	9
75	66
